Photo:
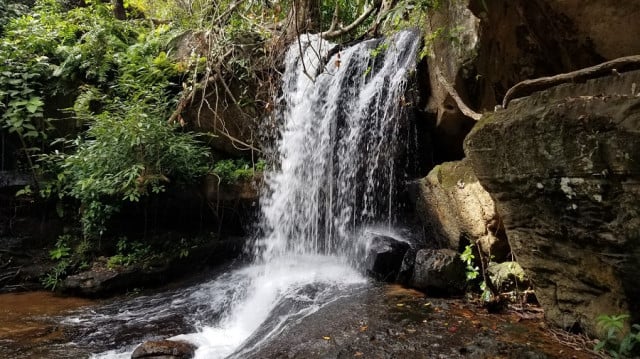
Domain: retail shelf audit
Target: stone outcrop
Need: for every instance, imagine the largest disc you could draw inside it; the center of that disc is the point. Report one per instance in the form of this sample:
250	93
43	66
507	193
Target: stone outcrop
457	211
614	37
102	280
384	257
507	276
439	271
164	349
563	166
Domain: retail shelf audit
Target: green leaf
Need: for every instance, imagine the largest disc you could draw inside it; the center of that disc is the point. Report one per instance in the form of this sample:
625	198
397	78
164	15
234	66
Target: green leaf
34	104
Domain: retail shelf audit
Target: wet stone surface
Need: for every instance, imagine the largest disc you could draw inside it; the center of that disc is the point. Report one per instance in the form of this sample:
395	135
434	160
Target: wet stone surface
385	321
393	322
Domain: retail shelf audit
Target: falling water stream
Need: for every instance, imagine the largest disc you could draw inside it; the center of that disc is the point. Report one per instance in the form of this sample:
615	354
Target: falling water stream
337	176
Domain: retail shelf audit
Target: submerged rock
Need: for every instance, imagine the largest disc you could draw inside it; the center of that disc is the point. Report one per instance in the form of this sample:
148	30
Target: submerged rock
385	257
439	271
164	349
564	169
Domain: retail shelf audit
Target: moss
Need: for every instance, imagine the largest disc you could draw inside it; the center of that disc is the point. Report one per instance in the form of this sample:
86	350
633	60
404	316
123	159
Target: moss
449	174
486	119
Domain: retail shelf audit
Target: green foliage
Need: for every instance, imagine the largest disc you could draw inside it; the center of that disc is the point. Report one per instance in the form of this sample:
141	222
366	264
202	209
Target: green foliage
129	252
53	278
128	152
231	171
8	11
42	53
473	272
67	258
348	12
409	13
615	343
468	258
124	81
60	251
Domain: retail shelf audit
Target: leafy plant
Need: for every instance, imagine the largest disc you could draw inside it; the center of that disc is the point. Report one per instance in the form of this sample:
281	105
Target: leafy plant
129	252
124	82
128	152
615	343
52	279
468	258
231	171
473	271
61	253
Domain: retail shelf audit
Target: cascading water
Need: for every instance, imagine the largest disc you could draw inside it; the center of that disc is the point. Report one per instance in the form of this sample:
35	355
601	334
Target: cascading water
339	144
341	122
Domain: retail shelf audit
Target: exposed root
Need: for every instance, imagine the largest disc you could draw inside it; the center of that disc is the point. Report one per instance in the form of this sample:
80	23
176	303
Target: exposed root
527	87
454	94
578	342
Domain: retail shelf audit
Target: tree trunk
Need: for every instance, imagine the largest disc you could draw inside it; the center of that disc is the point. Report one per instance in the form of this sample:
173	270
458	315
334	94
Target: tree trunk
118	10
304	16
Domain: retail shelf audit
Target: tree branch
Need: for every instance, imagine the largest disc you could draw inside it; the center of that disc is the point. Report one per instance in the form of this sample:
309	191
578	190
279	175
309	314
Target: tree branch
332	33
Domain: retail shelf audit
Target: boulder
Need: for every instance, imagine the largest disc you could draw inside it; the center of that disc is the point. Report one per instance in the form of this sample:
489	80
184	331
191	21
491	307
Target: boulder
448	63
439	271
457	211
563	166
385	257
164	349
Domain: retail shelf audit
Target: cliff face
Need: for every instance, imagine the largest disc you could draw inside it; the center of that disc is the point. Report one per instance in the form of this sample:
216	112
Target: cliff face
562	164
563	167
482	48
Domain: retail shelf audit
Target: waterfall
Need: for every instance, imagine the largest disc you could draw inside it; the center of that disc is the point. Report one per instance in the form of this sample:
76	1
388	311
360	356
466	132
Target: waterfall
338	146
341	122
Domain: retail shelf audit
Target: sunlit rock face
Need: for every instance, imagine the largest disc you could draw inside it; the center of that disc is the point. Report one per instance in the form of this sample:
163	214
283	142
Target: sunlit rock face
457	211
563	166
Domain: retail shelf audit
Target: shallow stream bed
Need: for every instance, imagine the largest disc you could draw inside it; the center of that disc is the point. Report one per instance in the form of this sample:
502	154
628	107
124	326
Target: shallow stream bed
375	321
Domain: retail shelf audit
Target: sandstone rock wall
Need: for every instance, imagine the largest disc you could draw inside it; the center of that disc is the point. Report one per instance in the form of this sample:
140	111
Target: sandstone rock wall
458	211
564	169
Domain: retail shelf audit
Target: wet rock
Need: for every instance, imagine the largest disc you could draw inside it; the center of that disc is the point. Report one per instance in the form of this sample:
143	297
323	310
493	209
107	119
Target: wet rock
164	349
99	280
439	271
385	256
371	324
103	281
563	166
507	276
458	211
406	268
